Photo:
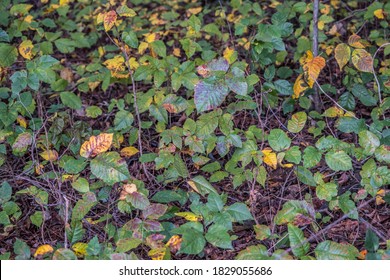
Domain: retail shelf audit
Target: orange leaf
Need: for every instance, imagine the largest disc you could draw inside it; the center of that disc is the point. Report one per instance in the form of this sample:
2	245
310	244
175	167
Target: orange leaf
299	86
109	20
96	145
355	41
312	67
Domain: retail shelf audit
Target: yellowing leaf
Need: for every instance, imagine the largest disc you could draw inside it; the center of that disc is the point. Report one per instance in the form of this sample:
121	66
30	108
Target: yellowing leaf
321	25
379	14
22	121
269	158
100	18
39	169
142	47
299	86
25	49
362	60
43	249
230	55
193	185
80	249
189	216
129	152
50	155
312	67
133	63
157	254
109	20
355	41
96	145
125	11
333	112
342	54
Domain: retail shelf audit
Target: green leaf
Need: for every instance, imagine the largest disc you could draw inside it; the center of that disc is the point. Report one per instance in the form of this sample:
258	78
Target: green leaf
83	206
19	81
110	167
305	176
293	155
329	250
283	87
338	161
203	186
94	247
81	185
217	235
298	242
364	95
5	192
127	244
278	140
291	209
93	111
37	218
193	240
65	45
21	250
138	200
159	48
297	122
130	38
369	142
311	157
254	252
239	212
8	55
64	254
371	242
326	191
209	95
71	100
123	120
348	206
383	154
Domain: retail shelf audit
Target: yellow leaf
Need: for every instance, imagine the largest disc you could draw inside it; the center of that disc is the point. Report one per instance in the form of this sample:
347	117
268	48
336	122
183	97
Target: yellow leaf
312	67
362	60
176	52
39	169
379	14
133	63
22	121
101	51
116	65
269	158
127	189
355	41
189	216
150	37
50	155
299	86
125	11
100	18
43	249
325	10
28	18
157	254
96	145
64	2
109	20
379	197
342	54
129	152
321	25
230	55
25	49
142	47
80	249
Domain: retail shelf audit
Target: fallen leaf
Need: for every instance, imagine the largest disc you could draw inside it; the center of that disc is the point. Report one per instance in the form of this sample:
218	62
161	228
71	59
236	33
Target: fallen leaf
43	249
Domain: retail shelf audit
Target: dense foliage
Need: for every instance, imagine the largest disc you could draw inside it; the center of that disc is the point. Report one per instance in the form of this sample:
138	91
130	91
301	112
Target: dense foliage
194	129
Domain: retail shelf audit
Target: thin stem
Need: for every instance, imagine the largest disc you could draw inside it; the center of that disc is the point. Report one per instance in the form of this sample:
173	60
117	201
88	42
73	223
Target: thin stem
316	98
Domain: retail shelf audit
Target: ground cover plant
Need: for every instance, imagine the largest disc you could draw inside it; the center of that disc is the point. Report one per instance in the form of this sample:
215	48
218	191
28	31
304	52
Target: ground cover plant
194	129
